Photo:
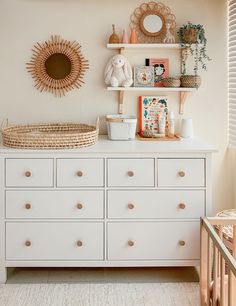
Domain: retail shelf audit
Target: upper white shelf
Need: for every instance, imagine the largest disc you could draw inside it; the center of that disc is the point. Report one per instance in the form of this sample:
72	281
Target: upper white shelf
143	46
178	89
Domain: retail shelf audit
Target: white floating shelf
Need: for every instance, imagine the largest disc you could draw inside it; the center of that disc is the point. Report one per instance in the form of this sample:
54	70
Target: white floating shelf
143	46
162	89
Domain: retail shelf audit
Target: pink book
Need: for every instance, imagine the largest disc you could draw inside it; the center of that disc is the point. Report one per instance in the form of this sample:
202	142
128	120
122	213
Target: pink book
161	69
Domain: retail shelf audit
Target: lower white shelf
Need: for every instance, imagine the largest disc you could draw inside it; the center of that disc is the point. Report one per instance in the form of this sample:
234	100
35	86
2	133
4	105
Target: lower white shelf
167	89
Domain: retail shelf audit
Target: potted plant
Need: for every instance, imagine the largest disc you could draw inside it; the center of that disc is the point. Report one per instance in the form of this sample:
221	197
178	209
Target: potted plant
193	42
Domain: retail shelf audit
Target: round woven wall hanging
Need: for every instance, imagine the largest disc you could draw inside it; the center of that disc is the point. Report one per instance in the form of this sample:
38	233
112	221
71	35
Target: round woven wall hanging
149	21
57	66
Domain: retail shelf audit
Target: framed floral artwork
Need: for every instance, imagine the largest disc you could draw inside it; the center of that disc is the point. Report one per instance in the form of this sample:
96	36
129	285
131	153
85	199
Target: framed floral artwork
143	76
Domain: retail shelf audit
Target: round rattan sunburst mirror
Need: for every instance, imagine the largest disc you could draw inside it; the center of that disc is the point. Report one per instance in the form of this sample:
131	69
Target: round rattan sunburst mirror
149	21
57	66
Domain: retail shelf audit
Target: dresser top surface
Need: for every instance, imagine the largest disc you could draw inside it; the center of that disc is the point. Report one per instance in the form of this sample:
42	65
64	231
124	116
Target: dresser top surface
104	145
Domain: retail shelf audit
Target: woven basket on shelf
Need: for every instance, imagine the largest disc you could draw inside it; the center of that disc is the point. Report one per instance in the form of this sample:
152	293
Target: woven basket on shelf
191	81
171	82
50	136
190	36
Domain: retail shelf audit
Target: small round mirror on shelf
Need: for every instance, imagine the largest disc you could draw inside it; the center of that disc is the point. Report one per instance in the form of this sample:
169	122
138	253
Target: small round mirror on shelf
150	21
152	24
58	66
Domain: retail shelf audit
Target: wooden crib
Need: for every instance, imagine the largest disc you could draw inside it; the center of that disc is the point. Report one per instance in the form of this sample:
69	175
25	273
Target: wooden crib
218	264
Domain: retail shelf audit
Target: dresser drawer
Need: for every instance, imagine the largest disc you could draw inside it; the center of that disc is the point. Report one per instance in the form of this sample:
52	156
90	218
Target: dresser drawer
54	204
80	172
181	172
153	240
54	241
156	204
29	172
131	172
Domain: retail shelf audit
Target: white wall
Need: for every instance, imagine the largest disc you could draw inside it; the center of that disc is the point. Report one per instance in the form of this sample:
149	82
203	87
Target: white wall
25	22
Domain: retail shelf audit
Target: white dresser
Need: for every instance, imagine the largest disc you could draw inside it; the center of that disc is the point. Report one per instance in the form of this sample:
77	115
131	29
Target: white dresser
113	204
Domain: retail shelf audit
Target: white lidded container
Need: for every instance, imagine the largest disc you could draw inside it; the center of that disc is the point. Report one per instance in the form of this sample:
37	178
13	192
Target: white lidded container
121	127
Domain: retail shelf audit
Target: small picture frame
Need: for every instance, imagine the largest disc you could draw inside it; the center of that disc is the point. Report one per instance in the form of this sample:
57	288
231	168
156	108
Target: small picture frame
161	69
143	76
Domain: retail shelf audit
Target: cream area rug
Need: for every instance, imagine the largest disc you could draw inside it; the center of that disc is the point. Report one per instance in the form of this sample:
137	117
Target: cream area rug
103	294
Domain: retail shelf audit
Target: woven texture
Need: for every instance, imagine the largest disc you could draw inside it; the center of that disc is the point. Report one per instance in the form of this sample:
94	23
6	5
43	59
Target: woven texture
171	82
165	294
190	81
190	36
228	229
50	136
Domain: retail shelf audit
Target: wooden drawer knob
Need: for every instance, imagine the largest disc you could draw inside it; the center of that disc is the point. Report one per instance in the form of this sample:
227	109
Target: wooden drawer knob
28	174
27	206
130	173
181	173
182	243
28	243
130	243
182	206
79	206
131	206
79	243
79	173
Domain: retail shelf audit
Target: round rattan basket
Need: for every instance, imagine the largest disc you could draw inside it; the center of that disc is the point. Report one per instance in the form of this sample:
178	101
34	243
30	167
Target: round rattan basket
190	36
50	136
190	81
171	82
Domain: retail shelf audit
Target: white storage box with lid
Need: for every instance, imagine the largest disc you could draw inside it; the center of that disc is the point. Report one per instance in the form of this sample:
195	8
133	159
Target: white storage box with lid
121	127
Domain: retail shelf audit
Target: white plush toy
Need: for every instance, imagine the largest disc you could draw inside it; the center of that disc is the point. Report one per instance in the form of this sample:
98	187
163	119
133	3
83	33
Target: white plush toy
118	72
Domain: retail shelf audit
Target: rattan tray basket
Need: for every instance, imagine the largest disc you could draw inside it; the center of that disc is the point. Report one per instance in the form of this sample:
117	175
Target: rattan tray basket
50	136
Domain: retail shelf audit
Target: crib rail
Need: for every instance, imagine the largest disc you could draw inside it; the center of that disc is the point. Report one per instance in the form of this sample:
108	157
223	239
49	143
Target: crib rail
218	265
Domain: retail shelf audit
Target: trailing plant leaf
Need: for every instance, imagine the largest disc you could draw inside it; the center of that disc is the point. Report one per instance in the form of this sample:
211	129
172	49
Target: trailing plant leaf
197	45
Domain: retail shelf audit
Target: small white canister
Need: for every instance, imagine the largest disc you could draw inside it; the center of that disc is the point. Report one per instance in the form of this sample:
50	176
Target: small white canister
121	127
187	128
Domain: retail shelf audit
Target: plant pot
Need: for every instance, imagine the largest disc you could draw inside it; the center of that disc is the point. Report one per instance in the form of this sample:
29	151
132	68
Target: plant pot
192	81
190	36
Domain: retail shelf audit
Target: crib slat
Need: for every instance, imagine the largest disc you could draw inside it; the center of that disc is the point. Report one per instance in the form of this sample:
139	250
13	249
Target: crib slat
209	271
233	293
230	298
222	272
222	281
203	266
215	276
220	245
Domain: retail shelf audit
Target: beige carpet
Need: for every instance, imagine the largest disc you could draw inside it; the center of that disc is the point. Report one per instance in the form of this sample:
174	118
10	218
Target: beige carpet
103	294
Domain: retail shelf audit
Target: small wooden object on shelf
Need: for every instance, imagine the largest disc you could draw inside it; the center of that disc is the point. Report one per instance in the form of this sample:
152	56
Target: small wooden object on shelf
114	38
175	138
